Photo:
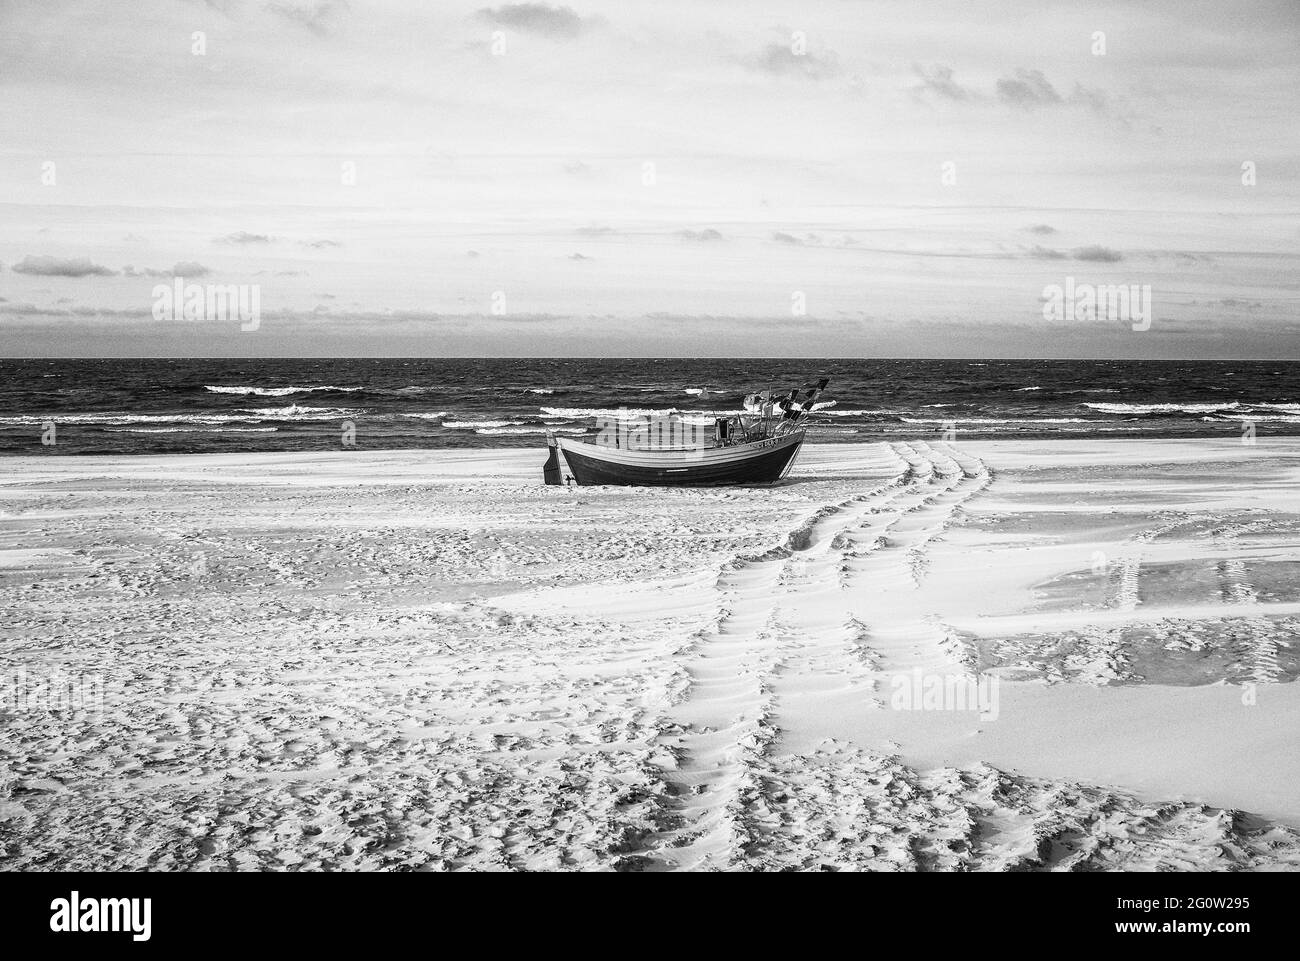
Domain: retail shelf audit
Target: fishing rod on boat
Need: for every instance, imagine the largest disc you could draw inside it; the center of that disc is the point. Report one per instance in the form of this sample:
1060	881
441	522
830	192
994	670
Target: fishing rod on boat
795	405
798	404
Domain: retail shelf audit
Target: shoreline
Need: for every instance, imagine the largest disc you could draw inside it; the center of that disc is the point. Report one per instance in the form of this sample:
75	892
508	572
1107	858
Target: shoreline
1231	433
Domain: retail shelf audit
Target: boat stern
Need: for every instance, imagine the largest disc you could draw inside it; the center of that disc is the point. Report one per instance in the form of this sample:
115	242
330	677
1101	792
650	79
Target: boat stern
551	473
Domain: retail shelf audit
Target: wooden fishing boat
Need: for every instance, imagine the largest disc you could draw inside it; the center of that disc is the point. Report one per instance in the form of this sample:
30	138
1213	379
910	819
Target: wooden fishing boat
756	447
756	462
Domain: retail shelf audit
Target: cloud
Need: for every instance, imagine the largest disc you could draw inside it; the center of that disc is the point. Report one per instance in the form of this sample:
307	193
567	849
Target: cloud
185	268
1097	253
557	23
781	60
1045	253
83	312
937	79
242	237
1091	96
708	233
60	267
594	231
1041	229
142	315
1029	89
315	17
319	244
807	240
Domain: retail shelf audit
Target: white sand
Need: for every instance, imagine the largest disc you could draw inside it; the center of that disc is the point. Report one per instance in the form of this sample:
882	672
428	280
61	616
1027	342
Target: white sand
429	660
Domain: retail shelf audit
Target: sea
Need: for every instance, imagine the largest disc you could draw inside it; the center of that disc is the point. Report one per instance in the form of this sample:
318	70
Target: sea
223	406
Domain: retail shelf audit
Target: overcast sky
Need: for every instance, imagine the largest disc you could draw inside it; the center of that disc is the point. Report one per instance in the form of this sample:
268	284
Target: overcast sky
666	178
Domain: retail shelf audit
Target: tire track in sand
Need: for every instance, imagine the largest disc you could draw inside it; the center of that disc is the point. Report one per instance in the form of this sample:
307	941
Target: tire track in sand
818	610
1262	637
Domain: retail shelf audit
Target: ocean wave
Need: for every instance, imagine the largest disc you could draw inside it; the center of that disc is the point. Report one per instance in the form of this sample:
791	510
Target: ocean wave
1254	418
118	418
627	413
996	420
297	412
1163	408
428	415
92	419
689	416
275	391
37	420
1023	389
531	430
482	423
1092	427
190	430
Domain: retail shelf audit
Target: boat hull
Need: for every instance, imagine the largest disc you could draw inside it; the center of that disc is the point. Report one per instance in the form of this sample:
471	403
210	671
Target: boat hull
761	462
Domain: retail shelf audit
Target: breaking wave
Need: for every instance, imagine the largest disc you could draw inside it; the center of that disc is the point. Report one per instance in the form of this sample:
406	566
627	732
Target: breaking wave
481	423
1162	408
275	391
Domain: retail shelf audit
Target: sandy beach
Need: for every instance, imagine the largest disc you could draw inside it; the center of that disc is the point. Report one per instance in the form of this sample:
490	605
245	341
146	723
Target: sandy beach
428	660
